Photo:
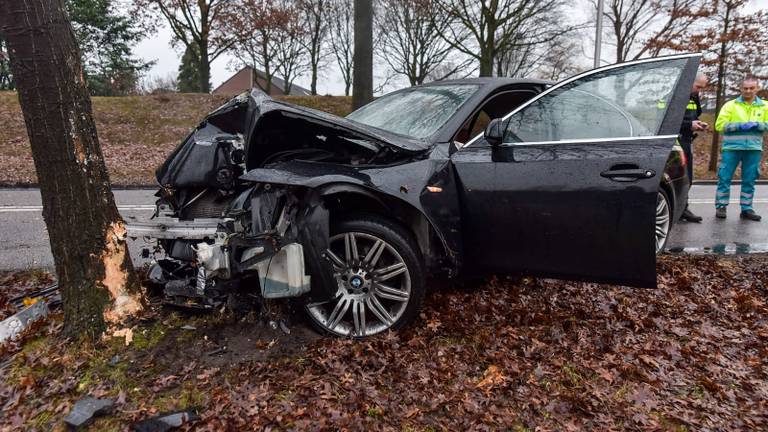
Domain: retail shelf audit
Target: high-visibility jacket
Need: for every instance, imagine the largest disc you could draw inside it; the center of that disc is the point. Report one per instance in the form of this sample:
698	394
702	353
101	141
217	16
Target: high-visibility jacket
692	113
732	118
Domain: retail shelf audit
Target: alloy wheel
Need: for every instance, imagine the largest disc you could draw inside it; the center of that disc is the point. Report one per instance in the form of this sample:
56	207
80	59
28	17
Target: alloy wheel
373	286
663	221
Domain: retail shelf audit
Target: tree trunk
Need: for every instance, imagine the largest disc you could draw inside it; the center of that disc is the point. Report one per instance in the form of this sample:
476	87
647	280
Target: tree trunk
205	69
87	234
714	149
362	81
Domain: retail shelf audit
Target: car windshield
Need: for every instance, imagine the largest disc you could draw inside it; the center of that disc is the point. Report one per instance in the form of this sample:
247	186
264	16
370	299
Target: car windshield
417	112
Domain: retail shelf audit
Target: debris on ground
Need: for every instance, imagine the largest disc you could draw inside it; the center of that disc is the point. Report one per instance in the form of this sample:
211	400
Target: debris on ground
166	422
12	326
126	333
86	410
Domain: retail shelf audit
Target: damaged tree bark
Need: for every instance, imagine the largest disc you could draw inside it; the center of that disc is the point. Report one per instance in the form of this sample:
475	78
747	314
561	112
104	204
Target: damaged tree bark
87	234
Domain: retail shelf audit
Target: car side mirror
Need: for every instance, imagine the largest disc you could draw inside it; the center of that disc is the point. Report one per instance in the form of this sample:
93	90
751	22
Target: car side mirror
494	132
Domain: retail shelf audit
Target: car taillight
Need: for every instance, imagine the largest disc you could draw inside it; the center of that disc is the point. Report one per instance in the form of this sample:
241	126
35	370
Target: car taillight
683	157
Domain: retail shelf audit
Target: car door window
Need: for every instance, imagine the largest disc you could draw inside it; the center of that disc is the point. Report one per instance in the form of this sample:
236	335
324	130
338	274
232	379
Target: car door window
496	107
617	103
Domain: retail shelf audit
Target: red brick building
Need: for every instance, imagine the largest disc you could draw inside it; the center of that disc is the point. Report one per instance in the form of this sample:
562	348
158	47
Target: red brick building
248	78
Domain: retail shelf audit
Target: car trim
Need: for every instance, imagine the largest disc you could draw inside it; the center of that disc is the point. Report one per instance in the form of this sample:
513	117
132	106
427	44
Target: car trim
588	140
582	75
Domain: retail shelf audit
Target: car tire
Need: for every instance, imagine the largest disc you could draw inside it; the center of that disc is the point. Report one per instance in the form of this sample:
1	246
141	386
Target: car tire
663	221
380	281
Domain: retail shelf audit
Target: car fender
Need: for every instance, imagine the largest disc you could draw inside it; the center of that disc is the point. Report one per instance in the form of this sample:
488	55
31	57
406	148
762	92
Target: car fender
375	183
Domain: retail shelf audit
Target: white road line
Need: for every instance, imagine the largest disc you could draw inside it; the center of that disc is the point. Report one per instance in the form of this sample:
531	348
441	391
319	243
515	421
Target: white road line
127	207
736	201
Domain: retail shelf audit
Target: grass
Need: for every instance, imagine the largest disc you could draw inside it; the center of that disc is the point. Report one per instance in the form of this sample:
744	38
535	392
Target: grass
136	133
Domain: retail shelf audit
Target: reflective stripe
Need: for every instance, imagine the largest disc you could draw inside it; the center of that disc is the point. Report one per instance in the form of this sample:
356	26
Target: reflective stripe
747	195
692	105
723	194
722	202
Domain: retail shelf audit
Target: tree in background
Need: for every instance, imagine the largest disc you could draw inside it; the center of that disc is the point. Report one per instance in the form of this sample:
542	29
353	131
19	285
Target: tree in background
642	28
485	29
199	24
315	15
257	25
6	76
188	80
341	35
106	37
87	235
292	38
734	45
409	32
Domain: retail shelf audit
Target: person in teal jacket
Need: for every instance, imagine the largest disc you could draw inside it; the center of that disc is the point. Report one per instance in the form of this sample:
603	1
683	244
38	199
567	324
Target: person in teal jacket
742	122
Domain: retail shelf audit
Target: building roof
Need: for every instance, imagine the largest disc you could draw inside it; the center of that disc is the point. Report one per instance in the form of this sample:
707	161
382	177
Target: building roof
296	90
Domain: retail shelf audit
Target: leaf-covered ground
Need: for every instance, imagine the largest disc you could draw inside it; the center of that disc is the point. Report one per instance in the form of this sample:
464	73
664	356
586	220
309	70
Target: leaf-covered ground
506	354
136	133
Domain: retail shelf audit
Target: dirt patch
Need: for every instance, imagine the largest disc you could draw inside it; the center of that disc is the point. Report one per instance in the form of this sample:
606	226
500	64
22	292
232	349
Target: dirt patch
224	344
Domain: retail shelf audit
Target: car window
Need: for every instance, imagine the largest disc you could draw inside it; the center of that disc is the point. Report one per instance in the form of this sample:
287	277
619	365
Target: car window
624	102
498	106
417	112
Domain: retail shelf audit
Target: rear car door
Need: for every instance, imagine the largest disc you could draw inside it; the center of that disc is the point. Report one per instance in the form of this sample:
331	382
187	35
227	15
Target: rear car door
576	177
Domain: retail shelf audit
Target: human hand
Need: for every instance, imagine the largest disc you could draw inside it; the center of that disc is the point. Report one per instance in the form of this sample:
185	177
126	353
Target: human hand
699	125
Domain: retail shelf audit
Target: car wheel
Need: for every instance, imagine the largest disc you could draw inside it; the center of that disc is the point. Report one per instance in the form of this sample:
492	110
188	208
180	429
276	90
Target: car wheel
379	279
663	220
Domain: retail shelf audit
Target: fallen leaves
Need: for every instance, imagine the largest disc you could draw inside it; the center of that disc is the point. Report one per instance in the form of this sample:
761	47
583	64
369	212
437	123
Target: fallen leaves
510	354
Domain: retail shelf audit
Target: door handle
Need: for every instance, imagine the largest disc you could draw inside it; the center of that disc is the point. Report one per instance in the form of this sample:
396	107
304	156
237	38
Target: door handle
628	175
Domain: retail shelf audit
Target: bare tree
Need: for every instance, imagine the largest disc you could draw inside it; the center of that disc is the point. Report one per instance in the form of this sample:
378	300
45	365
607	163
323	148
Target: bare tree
483	29
362	85
196	24
257	25
341	36
292	59
87	234
410	37
733	43
315	14
641	28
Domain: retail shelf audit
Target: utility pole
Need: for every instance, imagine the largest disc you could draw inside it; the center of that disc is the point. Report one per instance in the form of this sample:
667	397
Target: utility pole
362	73
599	32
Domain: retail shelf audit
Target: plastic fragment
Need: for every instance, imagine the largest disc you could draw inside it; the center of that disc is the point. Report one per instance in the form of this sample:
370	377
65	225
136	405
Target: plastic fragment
84	411
165	422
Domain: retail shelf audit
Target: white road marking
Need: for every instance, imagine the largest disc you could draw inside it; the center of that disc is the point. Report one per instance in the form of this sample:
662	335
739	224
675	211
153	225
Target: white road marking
712	201
127	207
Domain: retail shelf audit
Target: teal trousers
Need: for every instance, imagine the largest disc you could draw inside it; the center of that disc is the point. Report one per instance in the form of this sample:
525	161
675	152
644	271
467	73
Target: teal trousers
750	171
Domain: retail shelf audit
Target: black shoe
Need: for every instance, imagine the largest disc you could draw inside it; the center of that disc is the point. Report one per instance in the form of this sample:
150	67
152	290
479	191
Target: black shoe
690	217
721	212
751	215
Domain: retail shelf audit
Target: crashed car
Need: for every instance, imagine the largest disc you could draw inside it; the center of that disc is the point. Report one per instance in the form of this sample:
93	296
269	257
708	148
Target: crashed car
457	178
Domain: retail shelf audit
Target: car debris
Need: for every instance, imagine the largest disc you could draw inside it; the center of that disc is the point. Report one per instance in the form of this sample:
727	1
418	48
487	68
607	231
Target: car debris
86	410
14	325
166	422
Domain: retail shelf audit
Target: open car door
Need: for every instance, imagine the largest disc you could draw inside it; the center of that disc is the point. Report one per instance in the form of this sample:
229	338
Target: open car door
571	191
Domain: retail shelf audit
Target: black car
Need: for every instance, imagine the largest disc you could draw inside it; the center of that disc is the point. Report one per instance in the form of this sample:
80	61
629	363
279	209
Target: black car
576	180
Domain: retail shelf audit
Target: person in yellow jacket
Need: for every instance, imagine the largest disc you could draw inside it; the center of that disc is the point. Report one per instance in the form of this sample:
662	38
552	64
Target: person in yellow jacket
742	121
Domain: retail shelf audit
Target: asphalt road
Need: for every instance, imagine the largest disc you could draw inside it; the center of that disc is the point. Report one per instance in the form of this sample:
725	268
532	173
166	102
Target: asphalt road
24	239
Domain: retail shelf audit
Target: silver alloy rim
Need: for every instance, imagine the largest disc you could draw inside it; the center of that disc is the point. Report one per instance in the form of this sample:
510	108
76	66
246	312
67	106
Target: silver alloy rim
373	286
662	221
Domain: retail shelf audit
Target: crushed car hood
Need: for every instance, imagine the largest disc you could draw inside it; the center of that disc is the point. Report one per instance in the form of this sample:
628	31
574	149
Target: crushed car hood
259	127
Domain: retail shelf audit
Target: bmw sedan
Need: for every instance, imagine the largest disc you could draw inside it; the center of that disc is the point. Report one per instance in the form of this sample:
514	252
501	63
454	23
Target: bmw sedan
578	180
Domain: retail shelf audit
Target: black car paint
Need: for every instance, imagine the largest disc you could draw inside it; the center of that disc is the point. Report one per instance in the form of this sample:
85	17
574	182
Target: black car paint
472	226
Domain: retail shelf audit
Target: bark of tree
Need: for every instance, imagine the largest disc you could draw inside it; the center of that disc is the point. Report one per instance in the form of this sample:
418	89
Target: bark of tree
362	83
714	149
87	234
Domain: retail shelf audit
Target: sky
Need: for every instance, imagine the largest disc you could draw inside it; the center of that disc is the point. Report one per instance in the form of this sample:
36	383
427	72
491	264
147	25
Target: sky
167	59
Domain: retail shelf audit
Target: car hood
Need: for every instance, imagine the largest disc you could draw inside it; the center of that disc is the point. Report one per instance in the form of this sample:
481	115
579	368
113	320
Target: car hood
261	127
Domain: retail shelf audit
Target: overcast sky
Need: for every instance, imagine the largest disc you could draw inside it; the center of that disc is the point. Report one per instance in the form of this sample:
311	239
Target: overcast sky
158	48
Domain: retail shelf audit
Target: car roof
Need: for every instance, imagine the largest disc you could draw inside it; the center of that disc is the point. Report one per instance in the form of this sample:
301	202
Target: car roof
495	81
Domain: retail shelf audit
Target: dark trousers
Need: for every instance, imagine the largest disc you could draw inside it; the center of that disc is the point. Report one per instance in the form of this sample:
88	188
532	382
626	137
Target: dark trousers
687	148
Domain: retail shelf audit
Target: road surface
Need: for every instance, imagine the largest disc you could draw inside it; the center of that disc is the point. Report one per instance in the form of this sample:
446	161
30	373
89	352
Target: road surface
24	240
